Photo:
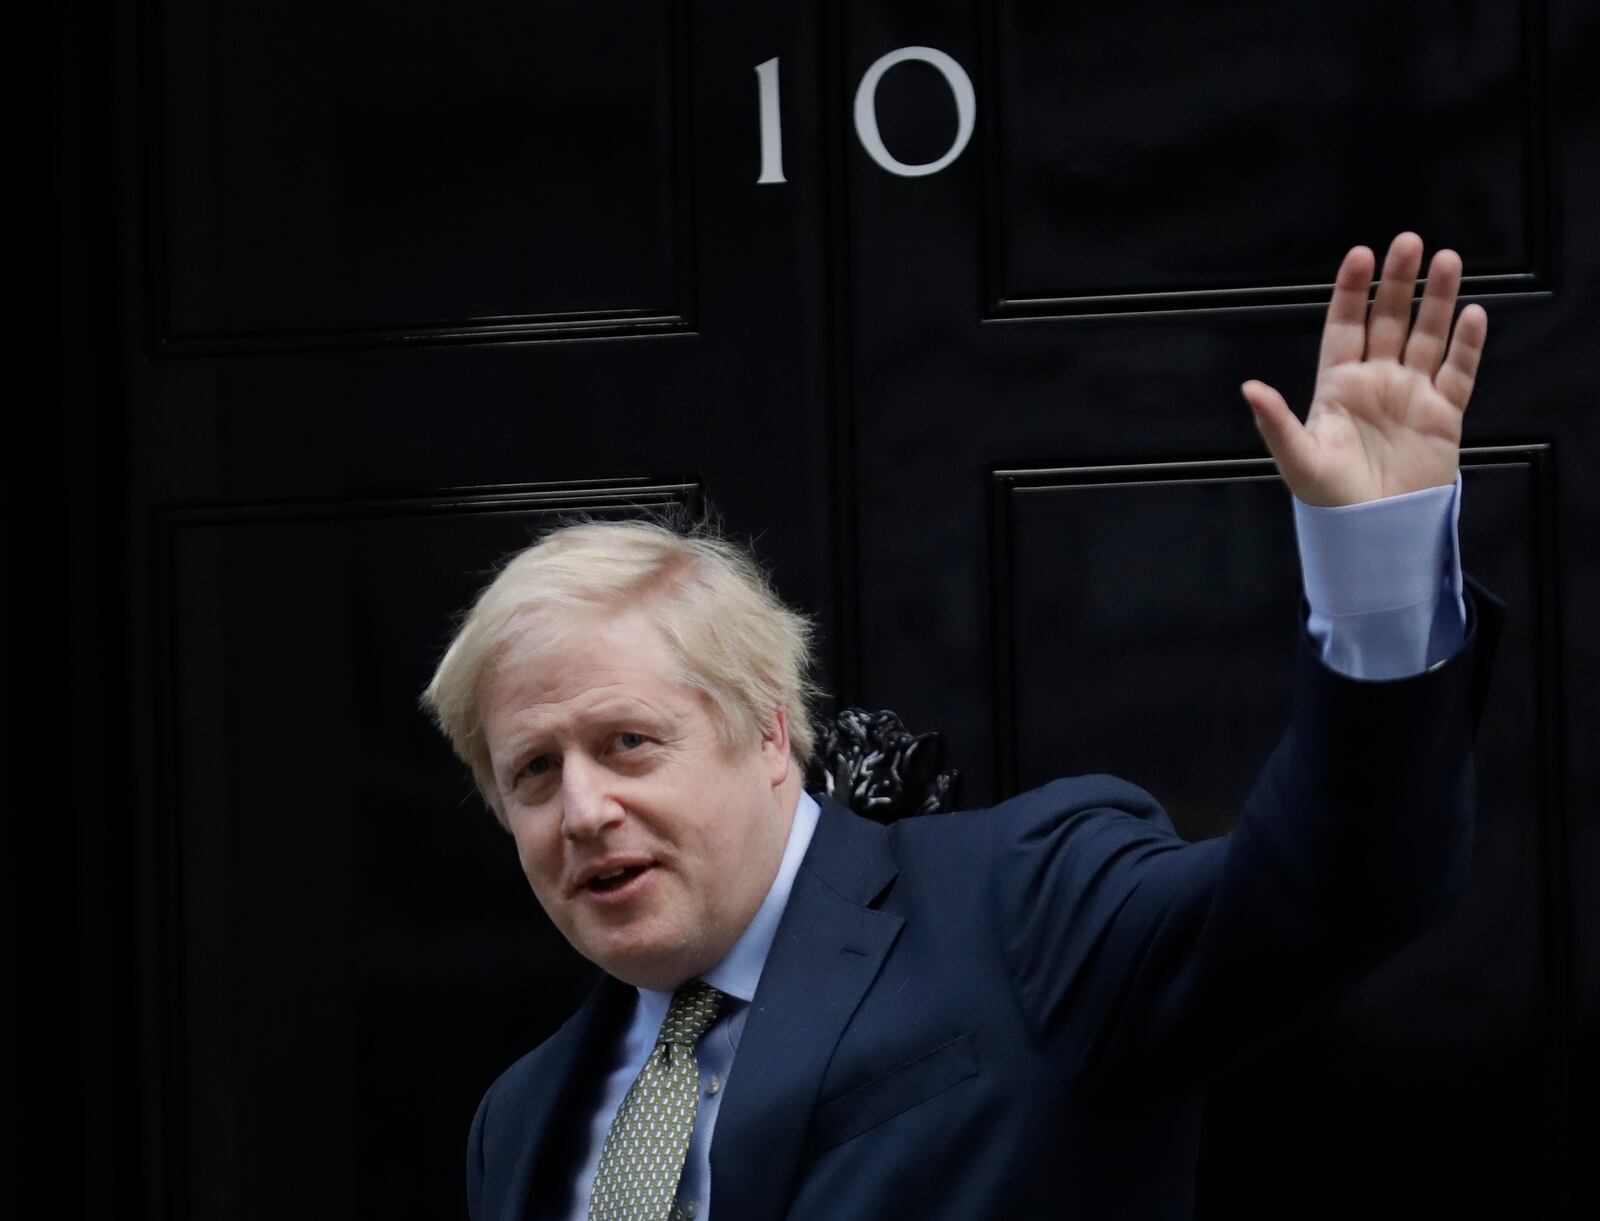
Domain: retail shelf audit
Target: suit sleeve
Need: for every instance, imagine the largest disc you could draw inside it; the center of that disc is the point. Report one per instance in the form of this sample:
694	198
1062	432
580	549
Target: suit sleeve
1142	961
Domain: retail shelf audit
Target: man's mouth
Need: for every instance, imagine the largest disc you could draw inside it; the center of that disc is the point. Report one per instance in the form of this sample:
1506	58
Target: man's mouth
616	879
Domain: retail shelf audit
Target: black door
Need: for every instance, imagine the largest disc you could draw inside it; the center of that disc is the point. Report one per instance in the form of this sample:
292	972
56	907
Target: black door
946	307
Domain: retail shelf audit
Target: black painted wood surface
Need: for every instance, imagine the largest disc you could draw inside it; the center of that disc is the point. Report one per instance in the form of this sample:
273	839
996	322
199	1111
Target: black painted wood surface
347	300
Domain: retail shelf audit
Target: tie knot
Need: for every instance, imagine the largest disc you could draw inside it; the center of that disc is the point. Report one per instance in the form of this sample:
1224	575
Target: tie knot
694	1007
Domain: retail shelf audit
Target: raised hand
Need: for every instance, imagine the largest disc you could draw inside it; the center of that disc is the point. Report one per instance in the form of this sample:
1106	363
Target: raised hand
1386	413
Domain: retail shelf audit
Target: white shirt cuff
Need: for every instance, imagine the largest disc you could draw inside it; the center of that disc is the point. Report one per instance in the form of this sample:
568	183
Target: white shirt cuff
1383	580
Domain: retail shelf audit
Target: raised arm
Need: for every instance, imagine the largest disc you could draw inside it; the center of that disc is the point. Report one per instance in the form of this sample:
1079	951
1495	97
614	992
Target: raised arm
1358	832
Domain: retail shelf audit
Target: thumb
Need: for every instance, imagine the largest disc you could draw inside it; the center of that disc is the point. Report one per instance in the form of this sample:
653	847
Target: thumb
1292	447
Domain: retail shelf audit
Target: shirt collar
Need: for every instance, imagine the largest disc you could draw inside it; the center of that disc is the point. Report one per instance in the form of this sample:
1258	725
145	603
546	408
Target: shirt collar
740	969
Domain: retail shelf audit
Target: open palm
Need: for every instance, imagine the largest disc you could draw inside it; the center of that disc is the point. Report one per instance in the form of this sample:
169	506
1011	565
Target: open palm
1386	413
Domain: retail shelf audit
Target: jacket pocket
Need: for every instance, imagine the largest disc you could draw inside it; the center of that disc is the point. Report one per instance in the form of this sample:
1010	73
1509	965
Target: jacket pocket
887	1095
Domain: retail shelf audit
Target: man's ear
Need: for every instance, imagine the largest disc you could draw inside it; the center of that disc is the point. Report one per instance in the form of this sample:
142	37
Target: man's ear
775	747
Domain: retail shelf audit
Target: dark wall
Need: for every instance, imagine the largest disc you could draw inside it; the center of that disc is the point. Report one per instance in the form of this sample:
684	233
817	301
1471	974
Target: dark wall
344	301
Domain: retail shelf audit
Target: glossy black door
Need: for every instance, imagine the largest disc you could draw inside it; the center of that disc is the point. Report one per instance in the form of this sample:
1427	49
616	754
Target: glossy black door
947	306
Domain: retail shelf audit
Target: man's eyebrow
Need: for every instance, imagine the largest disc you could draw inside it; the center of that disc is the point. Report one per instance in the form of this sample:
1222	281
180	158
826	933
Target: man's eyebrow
611	711
624	709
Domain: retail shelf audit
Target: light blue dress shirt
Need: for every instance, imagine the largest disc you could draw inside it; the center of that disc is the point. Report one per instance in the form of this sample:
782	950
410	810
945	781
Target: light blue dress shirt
1383	582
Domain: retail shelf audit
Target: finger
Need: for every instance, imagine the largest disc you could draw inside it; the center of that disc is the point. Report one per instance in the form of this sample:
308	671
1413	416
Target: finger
1293	448
1455	380
1425	348
1344	335
1390	319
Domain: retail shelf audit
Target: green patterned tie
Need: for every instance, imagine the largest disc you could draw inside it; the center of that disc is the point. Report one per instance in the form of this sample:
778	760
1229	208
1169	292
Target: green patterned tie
642	1159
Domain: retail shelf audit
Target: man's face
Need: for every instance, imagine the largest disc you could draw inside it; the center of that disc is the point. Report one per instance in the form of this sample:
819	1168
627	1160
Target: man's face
648	841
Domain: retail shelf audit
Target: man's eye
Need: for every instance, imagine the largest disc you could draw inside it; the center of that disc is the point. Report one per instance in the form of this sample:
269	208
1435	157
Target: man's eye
537	766
631	741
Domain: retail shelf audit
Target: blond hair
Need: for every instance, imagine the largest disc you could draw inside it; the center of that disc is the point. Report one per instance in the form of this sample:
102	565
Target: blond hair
734	639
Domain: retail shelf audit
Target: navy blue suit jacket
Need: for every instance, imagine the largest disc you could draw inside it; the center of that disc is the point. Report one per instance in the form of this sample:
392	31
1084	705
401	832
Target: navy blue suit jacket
1012	1012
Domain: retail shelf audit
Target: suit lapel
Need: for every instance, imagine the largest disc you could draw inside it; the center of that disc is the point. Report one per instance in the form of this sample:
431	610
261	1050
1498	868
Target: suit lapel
567	1065
829	946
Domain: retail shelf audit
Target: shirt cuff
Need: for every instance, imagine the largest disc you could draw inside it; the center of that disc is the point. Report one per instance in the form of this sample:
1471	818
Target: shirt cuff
1383	581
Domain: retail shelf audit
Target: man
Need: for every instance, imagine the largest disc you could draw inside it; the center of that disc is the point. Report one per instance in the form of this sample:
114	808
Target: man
1003	1013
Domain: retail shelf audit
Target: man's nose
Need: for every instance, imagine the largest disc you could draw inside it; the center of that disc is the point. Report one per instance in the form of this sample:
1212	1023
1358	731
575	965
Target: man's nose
588	806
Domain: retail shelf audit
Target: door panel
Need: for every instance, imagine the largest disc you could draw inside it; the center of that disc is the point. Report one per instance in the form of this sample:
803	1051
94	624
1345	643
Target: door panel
351	950
328	172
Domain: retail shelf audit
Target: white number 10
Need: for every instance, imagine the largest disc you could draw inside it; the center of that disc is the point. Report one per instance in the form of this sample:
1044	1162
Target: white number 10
866	113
